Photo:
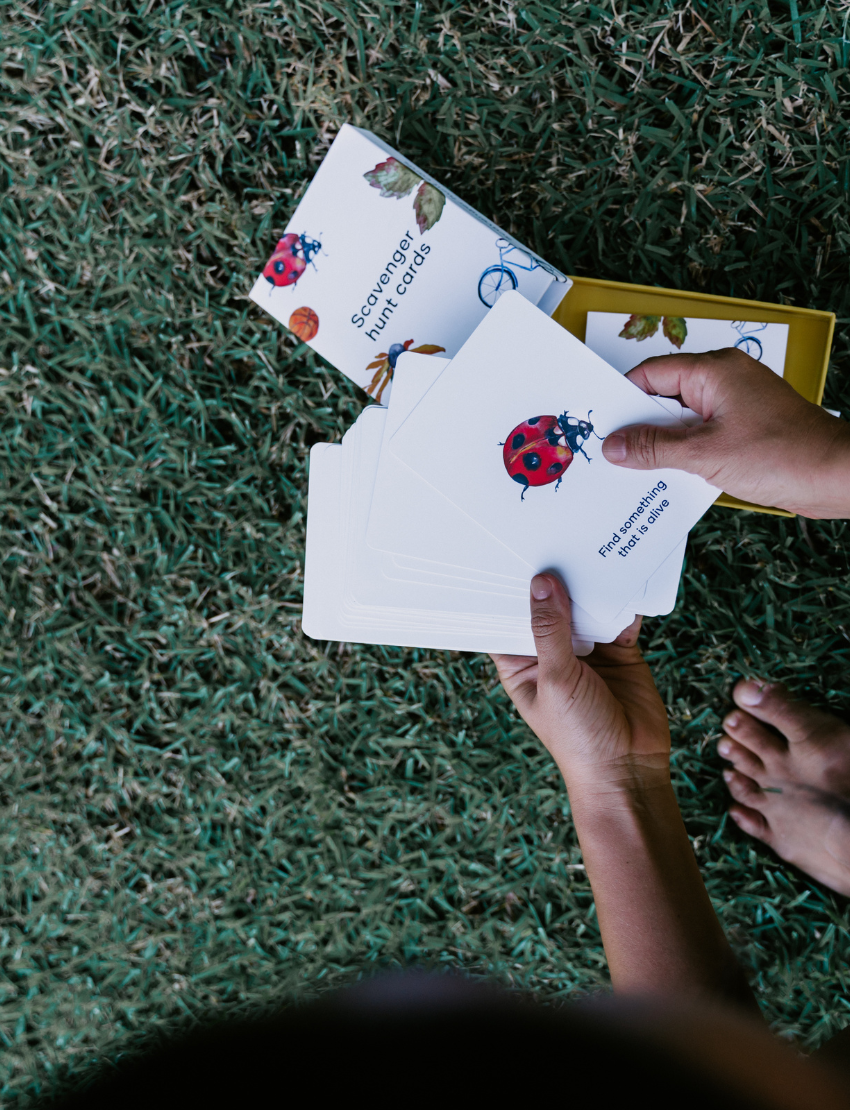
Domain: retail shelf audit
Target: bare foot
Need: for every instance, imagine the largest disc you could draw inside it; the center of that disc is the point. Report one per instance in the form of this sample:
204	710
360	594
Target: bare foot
791	779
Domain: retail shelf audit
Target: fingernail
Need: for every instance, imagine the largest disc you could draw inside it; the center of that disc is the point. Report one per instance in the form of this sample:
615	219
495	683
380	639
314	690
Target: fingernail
724	747
732	721
541	588
614	447
751	693
727	775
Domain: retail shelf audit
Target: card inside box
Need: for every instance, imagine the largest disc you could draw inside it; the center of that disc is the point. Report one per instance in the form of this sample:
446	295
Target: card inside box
809	332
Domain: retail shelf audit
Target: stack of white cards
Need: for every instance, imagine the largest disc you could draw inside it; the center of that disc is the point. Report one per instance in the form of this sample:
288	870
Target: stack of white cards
427	523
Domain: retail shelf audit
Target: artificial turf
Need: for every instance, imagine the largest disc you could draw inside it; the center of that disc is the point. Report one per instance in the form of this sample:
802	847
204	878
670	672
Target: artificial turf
201	808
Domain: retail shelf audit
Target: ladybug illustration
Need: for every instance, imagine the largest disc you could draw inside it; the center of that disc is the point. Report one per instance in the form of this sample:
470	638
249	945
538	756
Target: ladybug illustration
290	259
538	451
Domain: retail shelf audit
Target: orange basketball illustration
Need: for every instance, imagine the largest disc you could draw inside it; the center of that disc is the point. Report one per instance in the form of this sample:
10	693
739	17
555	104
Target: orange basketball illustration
304	323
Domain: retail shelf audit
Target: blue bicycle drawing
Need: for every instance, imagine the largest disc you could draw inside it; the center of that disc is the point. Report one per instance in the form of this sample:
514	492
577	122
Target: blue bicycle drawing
750	344
497	280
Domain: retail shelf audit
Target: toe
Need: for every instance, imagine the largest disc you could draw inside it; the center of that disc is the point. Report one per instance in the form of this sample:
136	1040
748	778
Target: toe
750	821
750	799
774	704
746	730
741	758
744	789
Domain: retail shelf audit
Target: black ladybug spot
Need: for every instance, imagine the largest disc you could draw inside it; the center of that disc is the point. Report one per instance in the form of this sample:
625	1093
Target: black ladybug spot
517	441
531	460
521	478
279	267
552	439
533	420
555	468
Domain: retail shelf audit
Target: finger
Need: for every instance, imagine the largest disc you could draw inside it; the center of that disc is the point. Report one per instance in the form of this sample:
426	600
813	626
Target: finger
707	382
518	676
550	624
629	636
647	447
621	651
672	376
509	667
512	661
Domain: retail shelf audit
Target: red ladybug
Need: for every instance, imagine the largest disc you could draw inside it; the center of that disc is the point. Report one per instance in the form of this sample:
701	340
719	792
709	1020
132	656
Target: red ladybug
287	263
290	259
538	451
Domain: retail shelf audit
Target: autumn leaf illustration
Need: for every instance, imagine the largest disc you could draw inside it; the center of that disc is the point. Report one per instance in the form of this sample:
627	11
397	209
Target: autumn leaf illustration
676	330
428	206
382	377
392	178
427	349
640	327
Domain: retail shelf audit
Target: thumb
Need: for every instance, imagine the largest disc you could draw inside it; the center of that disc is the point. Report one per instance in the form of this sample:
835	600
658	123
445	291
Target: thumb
550	624
647	447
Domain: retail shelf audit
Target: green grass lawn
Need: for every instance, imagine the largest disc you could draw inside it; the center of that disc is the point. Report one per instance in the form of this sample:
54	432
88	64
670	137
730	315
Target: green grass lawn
202	809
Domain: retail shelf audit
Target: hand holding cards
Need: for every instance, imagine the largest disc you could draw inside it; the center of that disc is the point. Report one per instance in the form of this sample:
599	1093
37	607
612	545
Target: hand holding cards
426	525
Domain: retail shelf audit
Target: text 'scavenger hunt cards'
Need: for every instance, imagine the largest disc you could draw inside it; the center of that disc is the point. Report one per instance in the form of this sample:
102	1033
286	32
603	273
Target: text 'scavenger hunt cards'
512	433
379	258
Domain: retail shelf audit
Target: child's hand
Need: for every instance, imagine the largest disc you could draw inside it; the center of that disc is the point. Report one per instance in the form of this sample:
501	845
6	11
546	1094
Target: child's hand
761	440
601	719
604	723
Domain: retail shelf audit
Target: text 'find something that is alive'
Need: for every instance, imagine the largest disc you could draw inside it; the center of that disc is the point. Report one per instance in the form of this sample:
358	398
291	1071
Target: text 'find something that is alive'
653	505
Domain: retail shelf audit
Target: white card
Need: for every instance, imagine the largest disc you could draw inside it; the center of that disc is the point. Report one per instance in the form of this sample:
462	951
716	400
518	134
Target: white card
366	587
324	585
427	592
614	336
662	588
608	528
325	615
378	258
333	574
408	515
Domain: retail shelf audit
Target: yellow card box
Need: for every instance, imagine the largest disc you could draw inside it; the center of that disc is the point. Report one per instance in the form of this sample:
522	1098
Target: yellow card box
809	331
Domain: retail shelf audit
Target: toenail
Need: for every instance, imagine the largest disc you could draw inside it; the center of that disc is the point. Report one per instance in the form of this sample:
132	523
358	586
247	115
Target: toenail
724	747
752	693
727	775
732	721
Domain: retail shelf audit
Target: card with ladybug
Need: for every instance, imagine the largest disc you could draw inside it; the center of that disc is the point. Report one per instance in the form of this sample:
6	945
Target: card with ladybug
408	515
420	526
347	595
512	432
424	595
342	485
